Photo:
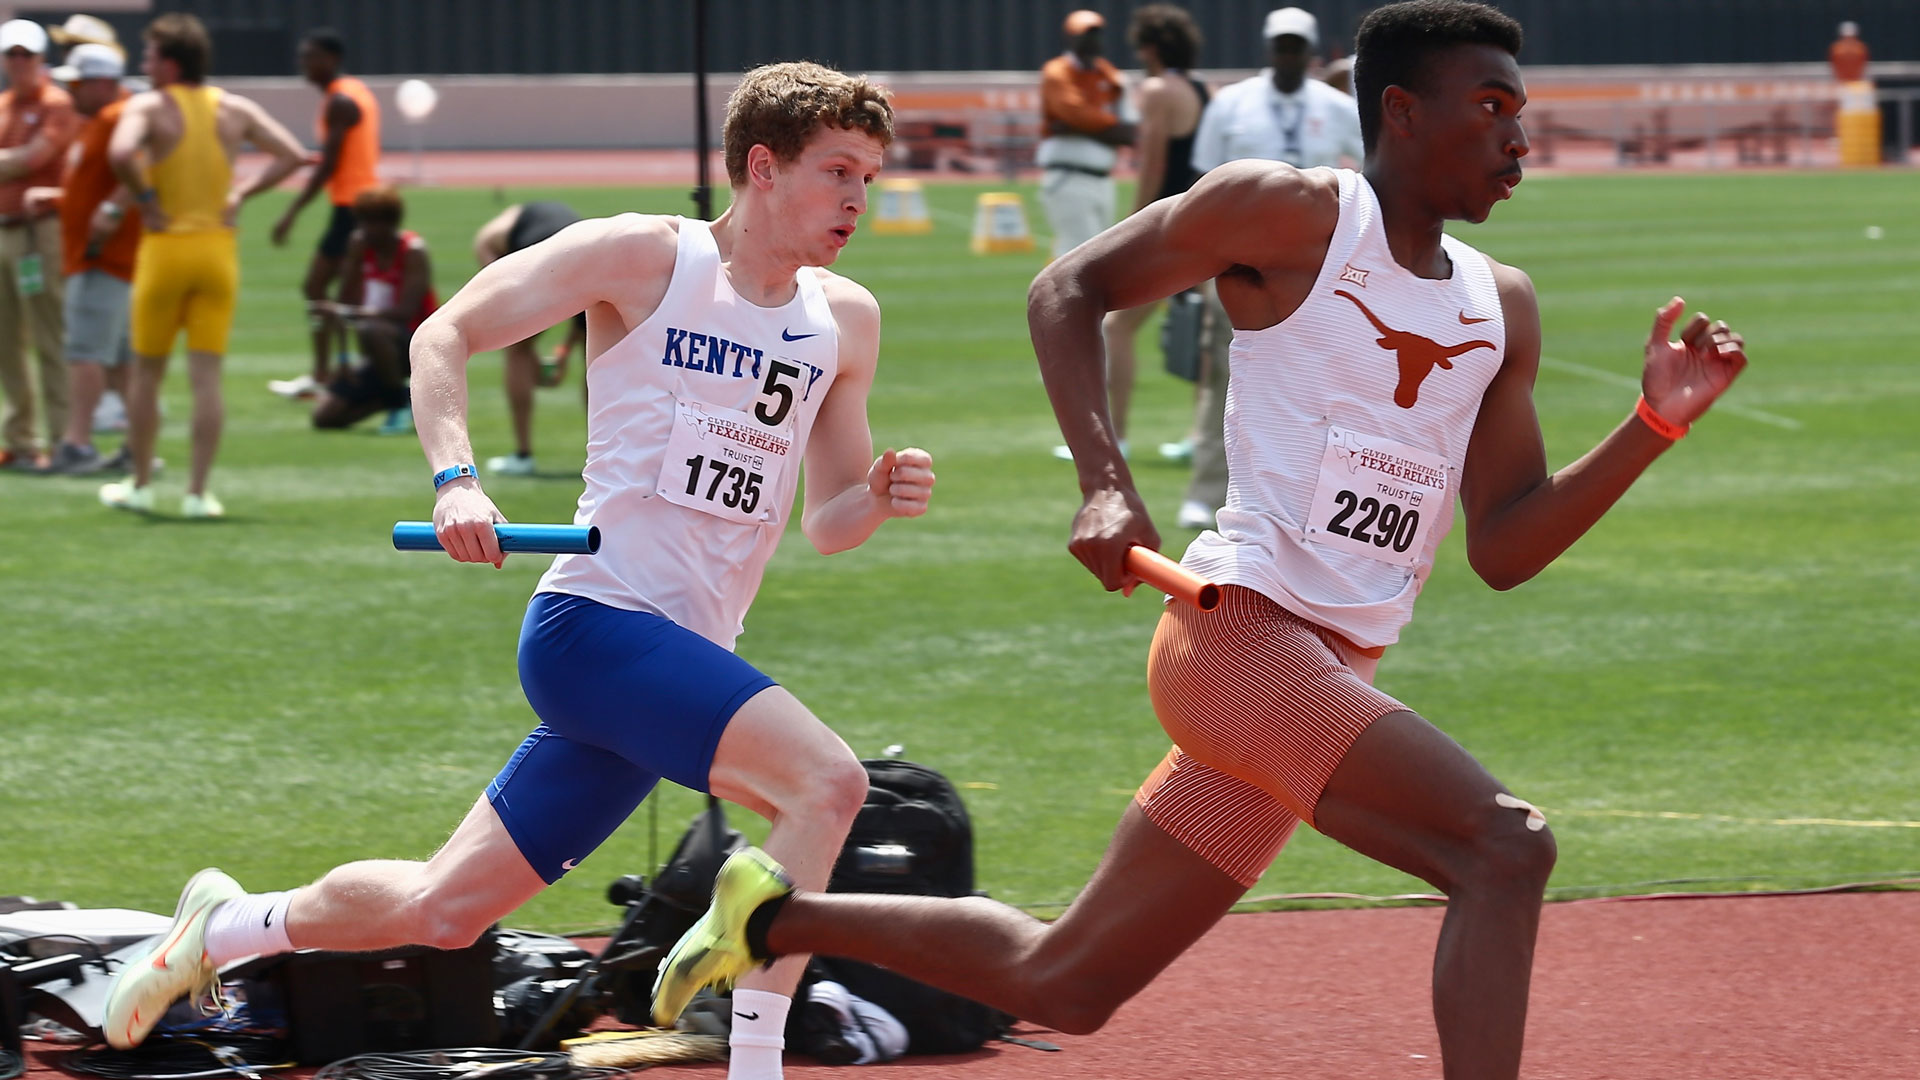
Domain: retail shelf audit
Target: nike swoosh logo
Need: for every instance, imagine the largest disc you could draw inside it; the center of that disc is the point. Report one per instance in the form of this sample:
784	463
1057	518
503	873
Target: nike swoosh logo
787	335
747	1016
269	922
570	864
1464	321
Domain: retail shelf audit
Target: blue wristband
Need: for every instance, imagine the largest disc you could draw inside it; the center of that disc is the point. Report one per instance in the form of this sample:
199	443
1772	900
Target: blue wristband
456	472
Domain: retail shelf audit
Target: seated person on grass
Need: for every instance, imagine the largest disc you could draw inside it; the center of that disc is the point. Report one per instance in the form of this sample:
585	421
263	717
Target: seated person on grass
386	291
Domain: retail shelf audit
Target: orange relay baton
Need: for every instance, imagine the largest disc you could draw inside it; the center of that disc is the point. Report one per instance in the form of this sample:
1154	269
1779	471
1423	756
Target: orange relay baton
1171	578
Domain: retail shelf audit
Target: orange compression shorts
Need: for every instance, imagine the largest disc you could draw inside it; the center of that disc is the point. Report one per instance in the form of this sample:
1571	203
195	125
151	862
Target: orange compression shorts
1262	706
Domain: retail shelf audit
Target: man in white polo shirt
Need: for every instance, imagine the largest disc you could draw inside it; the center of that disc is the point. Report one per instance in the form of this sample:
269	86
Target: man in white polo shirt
1277	115
1280	114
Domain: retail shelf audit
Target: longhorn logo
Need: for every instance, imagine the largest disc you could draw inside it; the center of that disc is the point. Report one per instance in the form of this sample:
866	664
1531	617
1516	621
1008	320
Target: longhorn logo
1418	355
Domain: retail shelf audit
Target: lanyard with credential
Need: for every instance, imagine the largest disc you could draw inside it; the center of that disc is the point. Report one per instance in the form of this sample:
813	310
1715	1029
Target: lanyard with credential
1290	150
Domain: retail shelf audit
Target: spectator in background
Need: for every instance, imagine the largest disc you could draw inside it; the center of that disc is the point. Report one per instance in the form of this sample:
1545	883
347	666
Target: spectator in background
1170	102
1848	54
516	228
386	292
111	413
1080	94
348	128
1278	115
174	149
86	30
37	122
99	238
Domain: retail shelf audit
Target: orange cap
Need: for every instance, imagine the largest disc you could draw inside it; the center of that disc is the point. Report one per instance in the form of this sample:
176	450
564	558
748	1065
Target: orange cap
1081	21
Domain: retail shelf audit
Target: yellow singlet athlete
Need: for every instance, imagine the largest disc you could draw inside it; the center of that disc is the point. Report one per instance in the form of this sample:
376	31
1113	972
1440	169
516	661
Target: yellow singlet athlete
188	270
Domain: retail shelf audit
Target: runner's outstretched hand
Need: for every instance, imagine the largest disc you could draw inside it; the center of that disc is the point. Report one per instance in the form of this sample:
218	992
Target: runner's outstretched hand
1111	521
1683	377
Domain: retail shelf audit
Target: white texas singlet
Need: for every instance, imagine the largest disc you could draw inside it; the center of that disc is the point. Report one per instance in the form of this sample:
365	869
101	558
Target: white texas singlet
697	425
1347	429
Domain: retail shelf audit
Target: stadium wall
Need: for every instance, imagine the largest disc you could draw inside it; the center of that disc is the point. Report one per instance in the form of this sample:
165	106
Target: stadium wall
541	37
985	113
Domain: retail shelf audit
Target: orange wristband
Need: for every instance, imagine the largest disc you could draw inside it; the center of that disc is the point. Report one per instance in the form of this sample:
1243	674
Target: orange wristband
1661	426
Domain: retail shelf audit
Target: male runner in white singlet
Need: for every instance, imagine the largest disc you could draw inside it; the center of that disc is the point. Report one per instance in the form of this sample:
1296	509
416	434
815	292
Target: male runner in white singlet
720	358
1381	370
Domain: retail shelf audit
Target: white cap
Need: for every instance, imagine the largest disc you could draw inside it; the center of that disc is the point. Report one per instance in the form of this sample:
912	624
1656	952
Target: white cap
91	61
1849	29
84	28
23	34
1292	20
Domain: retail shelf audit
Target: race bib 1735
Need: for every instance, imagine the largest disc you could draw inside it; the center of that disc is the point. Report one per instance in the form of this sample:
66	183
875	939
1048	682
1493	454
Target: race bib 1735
724	462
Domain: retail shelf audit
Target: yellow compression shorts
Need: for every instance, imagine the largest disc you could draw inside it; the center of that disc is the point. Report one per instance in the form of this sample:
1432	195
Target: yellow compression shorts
188	280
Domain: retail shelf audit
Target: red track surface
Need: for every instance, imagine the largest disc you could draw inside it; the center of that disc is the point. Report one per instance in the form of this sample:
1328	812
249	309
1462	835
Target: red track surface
1795	988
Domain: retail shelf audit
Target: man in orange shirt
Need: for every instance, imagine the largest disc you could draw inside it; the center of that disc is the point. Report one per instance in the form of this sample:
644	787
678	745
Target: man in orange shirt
1080	93
37	122
98	239
348	128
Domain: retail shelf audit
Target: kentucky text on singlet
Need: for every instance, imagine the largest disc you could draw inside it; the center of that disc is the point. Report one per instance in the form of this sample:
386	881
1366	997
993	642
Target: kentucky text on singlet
1347	430
697	426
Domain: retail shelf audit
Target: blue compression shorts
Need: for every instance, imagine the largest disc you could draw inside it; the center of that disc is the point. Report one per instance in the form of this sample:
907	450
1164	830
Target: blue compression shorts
624	698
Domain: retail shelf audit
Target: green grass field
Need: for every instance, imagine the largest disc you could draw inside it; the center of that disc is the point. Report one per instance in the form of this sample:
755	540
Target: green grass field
1738	640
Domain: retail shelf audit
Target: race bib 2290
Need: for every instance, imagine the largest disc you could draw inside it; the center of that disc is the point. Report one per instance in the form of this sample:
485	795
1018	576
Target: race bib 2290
1377	498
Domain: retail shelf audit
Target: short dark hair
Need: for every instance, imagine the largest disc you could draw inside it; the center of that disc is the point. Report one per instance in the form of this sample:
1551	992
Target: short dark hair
1170	30
1395	42
182	38
381	203
327	40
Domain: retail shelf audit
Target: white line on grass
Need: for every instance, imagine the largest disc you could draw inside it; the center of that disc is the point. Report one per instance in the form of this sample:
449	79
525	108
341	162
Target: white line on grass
1617	379
955	217
965	221
1676	815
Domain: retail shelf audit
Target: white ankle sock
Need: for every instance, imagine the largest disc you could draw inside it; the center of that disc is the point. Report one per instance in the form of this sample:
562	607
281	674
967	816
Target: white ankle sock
250	925
759	1035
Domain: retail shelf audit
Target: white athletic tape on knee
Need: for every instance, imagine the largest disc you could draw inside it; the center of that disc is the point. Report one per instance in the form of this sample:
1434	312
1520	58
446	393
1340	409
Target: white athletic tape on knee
1535	819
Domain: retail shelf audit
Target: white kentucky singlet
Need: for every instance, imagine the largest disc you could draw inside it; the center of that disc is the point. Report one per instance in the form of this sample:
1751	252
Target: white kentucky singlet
1347	429
697	425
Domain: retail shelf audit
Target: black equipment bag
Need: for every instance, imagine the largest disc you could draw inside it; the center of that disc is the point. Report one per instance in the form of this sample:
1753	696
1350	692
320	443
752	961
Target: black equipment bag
913	837
1181	334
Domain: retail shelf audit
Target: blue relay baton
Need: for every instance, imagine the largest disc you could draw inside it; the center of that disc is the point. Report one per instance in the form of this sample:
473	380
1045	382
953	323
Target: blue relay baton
514	537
